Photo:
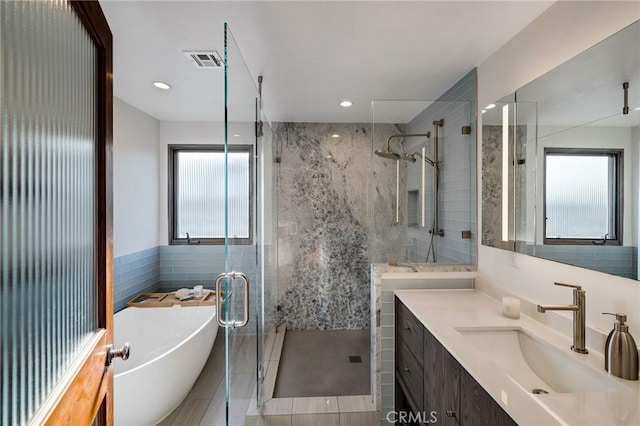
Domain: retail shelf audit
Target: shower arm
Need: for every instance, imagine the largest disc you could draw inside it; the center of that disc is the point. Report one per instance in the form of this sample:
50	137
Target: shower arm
409	135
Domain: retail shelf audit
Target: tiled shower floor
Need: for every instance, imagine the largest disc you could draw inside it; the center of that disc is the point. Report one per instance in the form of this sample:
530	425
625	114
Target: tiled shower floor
324	363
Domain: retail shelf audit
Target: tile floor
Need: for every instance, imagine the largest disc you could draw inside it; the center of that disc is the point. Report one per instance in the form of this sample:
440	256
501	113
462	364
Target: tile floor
205	403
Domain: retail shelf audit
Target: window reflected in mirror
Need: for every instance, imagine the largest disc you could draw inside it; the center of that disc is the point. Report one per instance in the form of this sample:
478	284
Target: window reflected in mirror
581	196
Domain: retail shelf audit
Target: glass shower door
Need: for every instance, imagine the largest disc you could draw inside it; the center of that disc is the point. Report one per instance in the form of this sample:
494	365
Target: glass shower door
240	286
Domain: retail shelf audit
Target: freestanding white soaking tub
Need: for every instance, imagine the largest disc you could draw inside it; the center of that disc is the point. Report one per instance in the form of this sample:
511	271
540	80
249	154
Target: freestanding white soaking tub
169	347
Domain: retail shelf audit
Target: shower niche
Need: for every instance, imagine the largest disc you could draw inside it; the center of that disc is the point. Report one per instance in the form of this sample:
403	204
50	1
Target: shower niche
414	211
424	181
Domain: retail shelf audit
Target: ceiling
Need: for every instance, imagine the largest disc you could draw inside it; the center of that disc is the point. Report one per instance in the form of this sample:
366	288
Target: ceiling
312	54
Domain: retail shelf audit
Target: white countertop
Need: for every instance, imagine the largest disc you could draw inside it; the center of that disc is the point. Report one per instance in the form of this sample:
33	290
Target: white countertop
442	311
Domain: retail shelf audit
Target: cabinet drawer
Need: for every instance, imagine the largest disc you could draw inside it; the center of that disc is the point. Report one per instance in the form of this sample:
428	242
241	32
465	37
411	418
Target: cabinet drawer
410	373
409	329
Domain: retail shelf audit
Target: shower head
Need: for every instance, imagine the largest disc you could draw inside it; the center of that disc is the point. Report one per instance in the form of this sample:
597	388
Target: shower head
387	154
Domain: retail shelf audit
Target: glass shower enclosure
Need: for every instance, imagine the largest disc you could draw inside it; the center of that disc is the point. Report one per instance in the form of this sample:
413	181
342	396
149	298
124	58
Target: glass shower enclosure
246	286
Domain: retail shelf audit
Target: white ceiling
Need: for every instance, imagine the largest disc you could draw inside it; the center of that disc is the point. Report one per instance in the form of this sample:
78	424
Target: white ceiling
312	54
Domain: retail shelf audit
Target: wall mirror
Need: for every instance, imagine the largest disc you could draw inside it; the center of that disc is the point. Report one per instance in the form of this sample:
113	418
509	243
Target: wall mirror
561	161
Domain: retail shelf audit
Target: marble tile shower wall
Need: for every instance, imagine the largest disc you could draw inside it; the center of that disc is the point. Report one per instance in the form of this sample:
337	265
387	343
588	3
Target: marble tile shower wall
457	156
387	235
133	274
324	217
492	186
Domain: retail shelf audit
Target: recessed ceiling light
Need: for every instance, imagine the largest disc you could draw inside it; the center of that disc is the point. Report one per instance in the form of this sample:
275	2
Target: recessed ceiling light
162	85
484	110
636	109
236	135
335	135
329	156
490	106
346	104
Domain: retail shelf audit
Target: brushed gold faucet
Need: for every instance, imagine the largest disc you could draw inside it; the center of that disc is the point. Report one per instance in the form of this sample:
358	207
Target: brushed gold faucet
579	316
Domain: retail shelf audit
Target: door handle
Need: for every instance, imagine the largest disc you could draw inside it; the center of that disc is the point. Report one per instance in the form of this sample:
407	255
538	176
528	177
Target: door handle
233	275
118	353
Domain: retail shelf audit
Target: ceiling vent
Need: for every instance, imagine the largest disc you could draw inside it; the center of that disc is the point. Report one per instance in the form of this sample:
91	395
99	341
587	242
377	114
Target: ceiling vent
204	58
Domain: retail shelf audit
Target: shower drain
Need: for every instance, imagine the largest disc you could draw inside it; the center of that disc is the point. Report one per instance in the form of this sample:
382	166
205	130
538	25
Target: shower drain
537	391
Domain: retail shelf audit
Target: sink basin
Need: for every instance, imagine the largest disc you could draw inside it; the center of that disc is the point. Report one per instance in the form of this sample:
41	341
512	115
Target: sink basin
536	365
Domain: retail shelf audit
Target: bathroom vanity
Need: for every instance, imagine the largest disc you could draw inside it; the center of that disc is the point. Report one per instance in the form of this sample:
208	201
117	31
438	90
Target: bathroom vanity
429	380
460	362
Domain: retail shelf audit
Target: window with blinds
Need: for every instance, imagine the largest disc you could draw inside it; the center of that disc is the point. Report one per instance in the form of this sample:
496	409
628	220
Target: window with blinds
198	203
582	196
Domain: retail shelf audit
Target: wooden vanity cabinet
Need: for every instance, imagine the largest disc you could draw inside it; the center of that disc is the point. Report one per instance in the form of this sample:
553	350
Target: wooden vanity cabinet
477	408
445	388
441	382
409	362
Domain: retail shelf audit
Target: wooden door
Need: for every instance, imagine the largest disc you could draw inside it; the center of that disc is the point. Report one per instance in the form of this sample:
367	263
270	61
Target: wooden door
89	394
38	242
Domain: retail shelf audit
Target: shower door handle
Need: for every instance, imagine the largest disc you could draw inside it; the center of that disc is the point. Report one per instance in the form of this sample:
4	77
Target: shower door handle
231	275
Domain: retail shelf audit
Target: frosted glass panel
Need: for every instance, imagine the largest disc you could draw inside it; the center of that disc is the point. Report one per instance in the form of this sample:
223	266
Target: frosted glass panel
200	194
578	196
48	289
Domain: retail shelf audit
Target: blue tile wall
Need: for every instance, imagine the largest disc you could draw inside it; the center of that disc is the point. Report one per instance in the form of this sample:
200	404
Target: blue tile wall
133	274
457	156
617	260
185	266
189	265
168	268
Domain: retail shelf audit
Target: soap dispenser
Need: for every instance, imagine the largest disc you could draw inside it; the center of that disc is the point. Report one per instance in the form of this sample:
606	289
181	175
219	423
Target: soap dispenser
620	350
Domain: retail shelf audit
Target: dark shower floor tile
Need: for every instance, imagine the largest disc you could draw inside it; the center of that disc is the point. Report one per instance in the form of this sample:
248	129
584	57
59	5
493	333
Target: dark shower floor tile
324	363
